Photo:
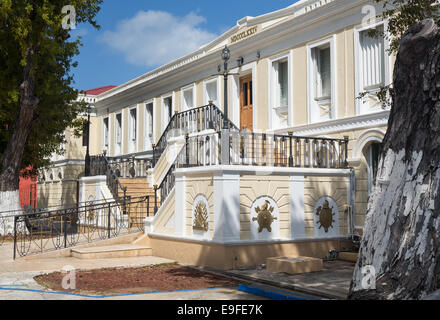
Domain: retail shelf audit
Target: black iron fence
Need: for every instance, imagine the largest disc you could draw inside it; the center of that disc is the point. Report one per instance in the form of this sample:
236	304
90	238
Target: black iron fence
100	165
260	149
59	229
128	166
167	184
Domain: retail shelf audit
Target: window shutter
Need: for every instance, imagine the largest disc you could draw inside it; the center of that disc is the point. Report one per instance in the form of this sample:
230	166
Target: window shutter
106	132
211	89
133	124
150	121
283	84
325	72
118	128
373	57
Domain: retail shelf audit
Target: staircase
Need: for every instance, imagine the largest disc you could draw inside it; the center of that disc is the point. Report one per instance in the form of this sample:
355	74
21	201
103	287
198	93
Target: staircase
126	247
112	251
125	175
136	187
195	122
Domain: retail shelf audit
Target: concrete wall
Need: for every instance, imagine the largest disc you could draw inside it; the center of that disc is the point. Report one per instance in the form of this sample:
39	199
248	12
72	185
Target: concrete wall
359	141
294	201
59	187
253	187
317	187
228	257
198	185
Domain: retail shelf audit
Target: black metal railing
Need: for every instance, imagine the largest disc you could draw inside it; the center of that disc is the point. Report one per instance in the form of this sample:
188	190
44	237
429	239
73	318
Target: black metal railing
100	165
199	151
184	123
130	166
167	184
259	149
191	121
58	229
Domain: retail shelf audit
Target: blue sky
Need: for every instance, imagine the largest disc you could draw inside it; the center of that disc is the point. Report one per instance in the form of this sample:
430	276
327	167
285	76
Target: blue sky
132	31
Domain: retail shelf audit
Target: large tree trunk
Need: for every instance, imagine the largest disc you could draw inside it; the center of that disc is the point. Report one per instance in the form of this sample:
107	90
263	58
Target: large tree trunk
12	157
402	234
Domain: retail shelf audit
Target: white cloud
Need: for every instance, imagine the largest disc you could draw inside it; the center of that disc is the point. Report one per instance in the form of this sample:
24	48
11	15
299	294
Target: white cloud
153	38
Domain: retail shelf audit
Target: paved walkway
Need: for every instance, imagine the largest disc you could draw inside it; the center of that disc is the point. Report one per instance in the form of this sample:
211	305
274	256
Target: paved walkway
16	279
21	286
17	283
8	265
332	283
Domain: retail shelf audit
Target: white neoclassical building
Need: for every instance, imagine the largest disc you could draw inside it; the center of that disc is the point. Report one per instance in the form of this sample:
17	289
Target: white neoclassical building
287	169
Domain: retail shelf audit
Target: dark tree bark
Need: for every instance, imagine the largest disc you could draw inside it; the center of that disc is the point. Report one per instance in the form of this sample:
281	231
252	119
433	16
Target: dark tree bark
12	157
402	234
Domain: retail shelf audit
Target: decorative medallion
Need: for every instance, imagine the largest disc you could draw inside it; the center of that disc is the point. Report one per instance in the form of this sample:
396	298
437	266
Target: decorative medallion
265	217
200	216
325	214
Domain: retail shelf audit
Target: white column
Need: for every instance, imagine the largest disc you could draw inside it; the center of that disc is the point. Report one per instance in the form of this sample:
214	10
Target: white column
179	206
297	214
226	207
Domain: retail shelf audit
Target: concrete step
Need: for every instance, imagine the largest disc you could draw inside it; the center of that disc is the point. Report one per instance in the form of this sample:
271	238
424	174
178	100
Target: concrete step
143	182
113	251
137	187
138	191
143	190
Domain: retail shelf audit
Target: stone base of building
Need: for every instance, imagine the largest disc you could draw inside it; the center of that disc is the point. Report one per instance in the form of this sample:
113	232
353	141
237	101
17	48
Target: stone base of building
233	256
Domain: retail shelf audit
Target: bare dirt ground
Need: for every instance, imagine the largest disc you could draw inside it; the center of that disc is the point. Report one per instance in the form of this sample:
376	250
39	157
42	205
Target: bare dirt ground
159	278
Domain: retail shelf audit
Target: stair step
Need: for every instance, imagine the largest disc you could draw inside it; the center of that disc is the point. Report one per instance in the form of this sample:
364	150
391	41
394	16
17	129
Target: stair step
113	251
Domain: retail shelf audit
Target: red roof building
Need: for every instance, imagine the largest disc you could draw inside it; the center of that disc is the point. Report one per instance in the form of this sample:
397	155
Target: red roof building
97	91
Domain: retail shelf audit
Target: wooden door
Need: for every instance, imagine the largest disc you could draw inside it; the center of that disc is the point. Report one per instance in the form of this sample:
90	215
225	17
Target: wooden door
246	101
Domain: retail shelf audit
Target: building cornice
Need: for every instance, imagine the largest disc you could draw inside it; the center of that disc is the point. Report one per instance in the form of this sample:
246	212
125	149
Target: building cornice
259	171
67	162
340	125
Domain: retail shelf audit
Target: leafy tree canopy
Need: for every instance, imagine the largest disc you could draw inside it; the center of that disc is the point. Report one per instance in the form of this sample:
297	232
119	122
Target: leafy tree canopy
38	25
402	14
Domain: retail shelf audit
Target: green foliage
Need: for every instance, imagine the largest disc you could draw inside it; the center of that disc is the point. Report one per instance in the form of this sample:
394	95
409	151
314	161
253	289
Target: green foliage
37	24
402	14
